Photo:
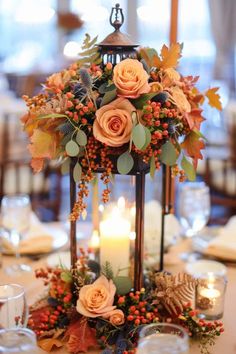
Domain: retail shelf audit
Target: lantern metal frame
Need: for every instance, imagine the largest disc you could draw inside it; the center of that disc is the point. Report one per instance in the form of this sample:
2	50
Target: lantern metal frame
123	47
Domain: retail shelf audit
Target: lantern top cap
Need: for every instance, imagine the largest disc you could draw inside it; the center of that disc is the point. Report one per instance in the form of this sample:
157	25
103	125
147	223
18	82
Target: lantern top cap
117	38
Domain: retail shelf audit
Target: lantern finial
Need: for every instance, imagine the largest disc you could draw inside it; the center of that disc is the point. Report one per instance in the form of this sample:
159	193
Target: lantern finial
117	23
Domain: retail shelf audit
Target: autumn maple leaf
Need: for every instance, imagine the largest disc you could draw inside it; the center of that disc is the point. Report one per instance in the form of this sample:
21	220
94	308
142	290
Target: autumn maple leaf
81	336
193	144
169	57
214	98
194	118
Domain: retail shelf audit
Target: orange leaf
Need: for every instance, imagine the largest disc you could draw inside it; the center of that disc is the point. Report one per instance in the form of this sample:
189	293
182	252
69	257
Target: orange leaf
81	336
169	56
48	344
214	98
37	164
194	118
193	145
42	145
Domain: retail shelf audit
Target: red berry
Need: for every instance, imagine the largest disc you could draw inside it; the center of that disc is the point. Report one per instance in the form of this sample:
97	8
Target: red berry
137	322
130	318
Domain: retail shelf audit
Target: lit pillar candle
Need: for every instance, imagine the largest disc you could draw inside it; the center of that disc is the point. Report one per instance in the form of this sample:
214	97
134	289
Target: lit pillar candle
115	242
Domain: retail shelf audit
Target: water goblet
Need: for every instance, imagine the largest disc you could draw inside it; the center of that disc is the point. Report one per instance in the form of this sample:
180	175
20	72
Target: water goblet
13	306
163	338
18	341
15	215
194	207
194	211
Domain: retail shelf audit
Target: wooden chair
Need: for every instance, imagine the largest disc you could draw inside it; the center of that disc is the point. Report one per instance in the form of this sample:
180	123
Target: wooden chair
16	175
220	175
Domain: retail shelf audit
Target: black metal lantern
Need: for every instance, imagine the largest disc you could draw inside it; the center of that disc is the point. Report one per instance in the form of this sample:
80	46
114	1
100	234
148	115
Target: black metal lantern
114	48
117	46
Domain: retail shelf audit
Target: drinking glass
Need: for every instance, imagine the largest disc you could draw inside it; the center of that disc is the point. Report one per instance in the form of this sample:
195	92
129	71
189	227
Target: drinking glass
163	338
194	207
15	210
18	340
13	307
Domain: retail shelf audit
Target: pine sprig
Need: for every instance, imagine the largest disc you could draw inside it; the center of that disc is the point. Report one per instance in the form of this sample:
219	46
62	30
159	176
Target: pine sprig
107	270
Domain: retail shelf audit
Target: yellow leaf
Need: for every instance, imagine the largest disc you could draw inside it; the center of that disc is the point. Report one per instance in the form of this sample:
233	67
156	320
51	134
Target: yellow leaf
170	56
48	344
42	145
214	98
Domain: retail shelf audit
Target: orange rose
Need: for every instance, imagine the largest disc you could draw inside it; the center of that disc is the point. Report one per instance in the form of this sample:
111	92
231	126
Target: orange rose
116	317
113	123
130	78
97	299
170	76
180	99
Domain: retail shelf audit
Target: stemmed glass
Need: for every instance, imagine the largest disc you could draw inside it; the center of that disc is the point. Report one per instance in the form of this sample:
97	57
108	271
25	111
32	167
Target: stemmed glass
194	207
13	306
163	338
20	341
15	212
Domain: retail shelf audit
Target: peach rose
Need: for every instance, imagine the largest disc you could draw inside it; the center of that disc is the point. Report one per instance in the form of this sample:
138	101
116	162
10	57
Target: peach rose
170	76
180	99
113	123
116	317
130	78
97	299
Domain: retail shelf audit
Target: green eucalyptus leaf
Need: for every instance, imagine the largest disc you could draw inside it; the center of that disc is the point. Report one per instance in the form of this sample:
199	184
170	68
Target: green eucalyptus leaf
139	136
142	100
81	138
148	138
125	163
108	97
72	148
168	154
77	171
152	167
106	88
65	167
123	284
188	169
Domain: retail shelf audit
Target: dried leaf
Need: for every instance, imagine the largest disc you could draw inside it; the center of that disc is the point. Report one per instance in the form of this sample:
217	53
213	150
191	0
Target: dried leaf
48	344
174	291
214	98
194	118
193	145
169	56
81	336
42	145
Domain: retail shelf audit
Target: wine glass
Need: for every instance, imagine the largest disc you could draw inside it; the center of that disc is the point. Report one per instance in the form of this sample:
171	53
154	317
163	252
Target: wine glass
15	210
13	307
163	338
194	211
20	341
194	207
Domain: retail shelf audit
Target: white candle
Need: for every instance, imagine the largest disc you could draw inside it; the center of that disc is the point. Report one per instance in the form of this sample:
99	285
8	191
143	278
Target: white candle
115	242
215	306
94	242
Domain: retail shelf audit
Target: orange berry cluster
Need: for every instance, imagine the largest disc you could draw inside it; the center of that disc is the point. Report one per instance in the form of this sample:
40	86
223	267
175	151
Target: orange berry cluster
78	111
139	310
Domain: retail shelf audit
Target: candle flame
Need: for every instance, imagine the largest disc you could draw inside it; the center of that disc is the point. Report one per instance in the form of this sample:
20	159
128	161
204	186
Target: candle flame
94	242
121	203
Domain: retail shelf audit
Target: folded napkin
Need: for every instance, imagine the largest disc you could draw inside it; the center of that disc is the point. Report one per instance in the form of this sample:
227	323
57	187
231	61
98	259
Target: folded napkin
224	245
38	239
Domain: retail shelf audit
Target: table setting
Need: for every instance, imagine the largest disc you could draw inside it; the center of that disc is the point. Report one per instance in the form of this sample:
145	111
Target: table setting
132	284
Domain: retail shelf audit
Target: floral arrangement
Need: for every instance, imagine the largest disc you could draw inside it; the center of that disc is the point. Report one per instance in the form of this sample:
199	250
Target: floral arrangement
89	307
106	118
